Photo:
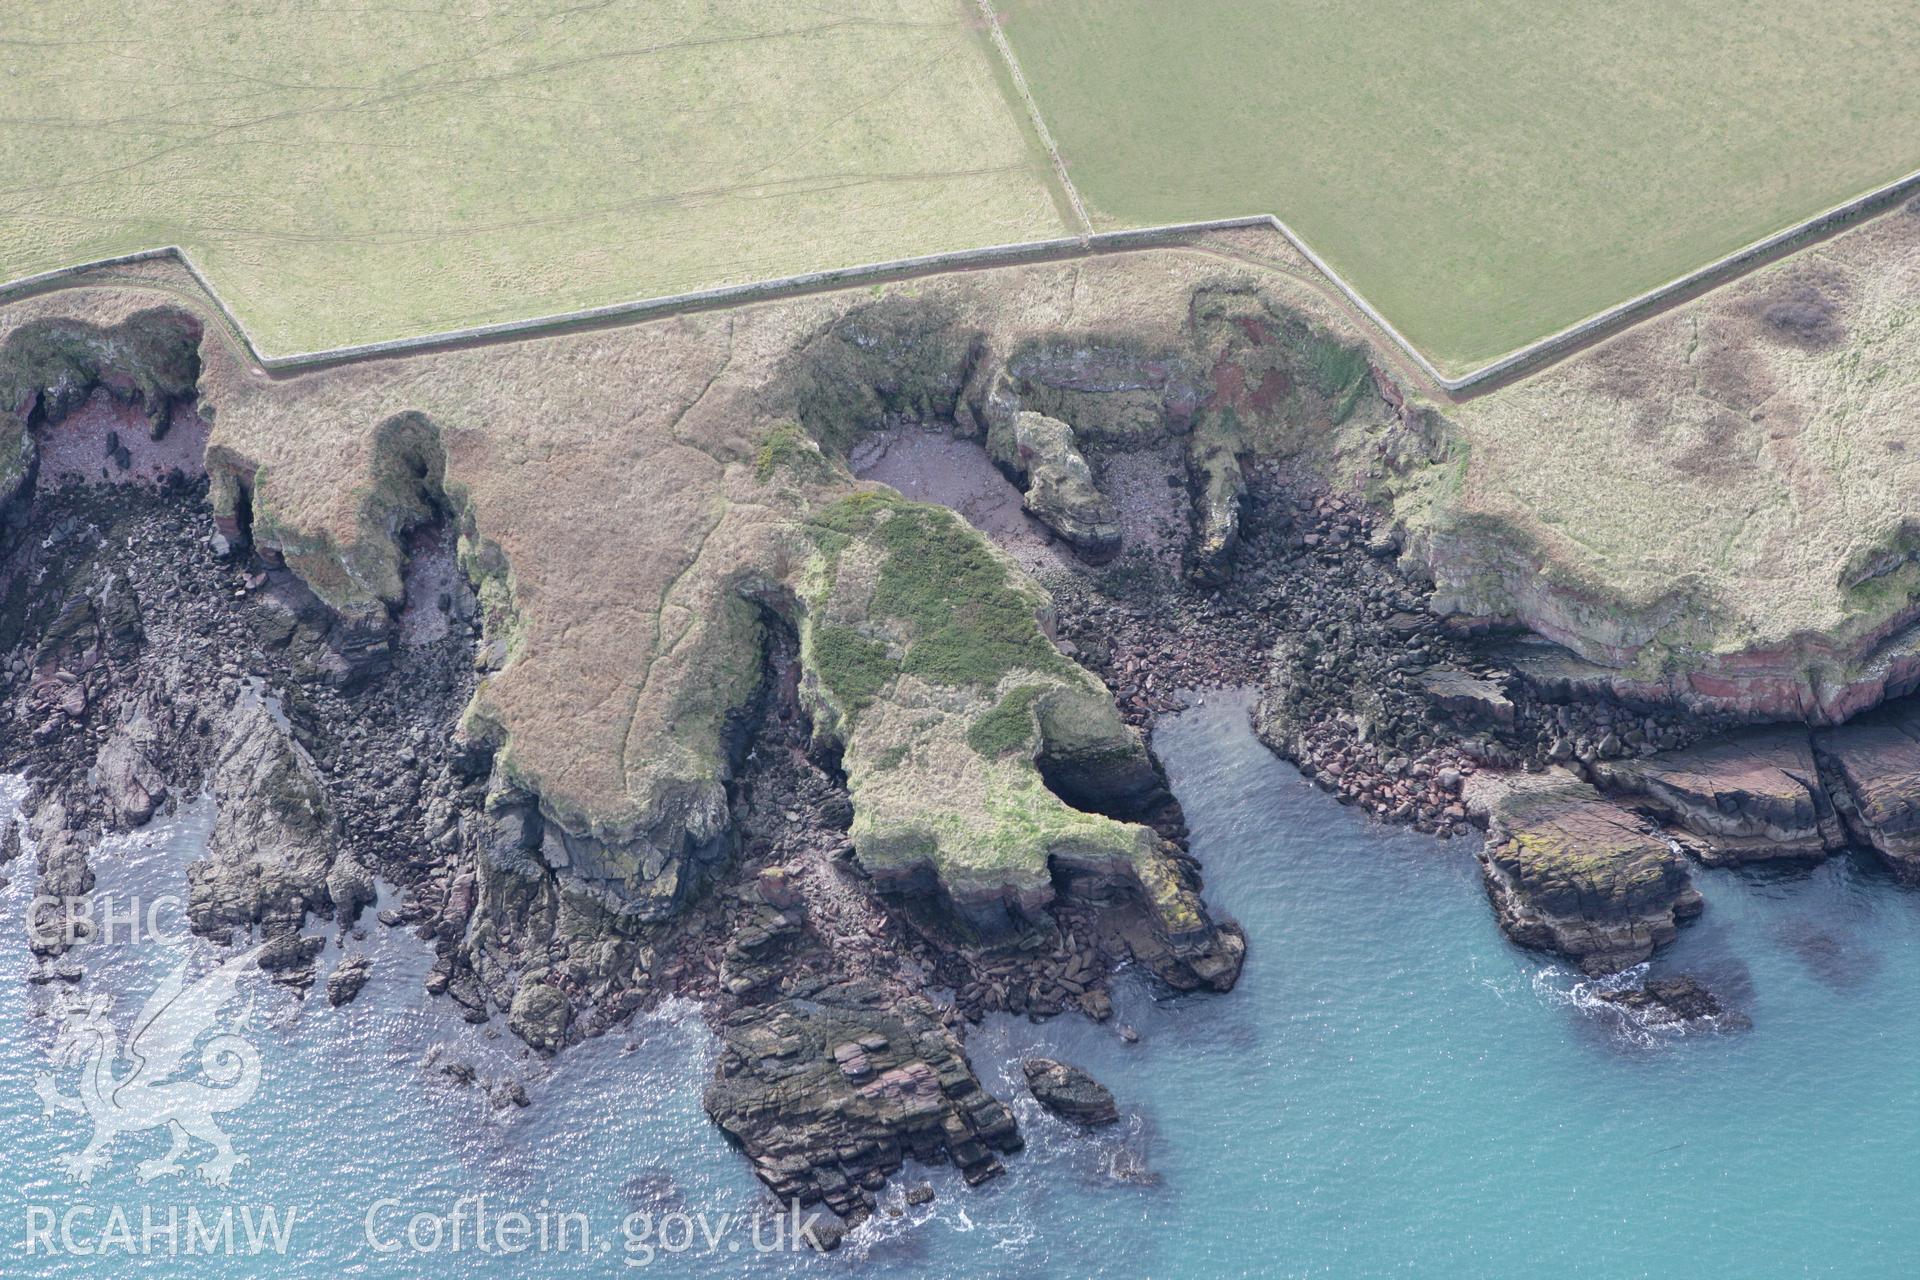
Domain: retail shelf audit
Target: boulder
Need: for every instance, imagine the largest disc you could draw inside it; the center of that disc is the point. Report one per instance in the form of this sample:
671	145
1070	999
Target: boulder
1571	872
539	1014
1467	699
350	886
348	977
1751	796
1070	1093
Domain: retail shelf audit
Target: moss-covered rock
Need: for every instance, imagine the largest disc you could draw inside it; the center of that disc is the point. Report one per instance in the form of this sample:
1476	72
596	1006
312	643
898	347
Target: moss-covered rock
634	509
963	727
151	359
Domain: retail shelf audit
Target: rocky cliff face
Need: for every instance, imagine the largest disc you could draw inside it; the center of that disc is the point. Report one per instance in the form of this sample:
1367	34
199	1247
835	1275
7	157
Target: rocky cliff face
1751	796
685	607
1874	763
48	368
1712	508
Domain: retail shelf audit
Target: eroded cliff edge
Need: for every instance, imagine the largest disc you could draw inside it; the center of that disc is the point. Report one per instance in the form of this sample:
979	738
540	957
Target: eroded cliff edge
692	709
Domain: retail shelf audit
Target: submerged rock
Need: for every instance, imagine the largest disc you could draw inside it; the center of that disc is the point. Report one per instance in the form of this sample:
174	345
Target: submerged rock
1571	872
1070	1093
1677	1002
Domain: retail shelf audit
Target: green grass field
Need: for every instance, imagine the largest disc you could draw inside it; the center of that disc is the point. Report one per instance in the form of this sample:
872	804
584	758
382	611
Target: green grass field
1484	171
352	174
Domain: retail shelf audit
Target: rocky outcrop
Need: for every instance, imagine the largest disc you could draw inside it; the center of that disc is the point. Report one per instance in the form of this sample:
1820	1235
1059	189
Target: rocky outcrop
967	737
1039	454
130	782
1070	1093
49	367
1151	913
348	978
91	629
274	841
1754	795
1219	492
830	1091
64	877
1116	390
1090	759
1571	872
291	959
896	357
1874	763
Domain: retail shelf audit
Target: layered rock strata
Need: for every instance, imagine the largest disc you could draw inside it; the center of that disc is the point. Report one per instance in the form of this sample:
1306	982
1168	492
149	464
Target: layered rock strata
1571	872
1874	763
1751	796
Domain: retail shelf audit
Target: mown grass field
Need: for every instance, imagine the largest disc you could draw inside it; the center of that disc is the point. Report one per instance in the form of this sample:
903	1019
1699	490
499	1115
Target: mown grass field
349	175
1484	171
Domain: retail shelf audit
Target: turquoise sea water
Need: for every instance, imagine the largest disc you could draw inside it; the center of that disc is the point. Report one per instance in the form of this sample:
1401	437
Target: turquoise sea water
1393	1090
